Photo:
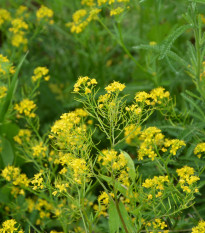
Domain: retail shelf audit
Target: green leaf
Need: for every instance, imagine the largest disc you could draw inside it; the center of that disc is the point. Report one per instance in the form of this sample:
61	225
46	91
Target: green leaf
126	218
200	1
9	130
167	44
118	186
7	152
131	166
8	99
114	220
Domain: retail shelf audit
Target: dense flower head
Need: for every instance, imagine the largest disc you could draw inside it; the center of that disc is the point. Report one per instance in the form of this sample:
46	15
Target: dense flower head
157	184
39	150
40	72
45	13
187	178
4	16
156	96
13	174
116	11
70	131
18	25
81	18
200	228
26	107
175	145
8	226
84	85
88	2
115	87
111	159
199	149
150	138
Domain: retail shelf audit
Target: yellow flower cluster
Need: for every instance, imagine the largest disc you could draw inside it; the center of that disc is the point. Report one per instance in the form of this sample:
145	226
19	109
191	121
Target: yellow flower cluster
39	150
115	87
81	18
45	13
69	131
200	228
187	178
111	159
26	107
158	224
8	226
84	84
77	167
156	184
175	144
60	188
22	136
37	181
21	10
5	65
3	91
156	96
40	72
150	138
18	32
116	11
200	148
11	173
4	16
88	2
104	201
131	132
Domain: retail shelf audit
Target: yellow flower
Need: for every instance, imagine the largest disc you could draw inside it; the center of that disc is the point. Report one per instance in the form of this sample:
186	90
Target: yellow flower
3	91
40	72
9	226
4	16
23	135
115	87
45	13
39	150
26	107
200	148
18	25
200	228
116	11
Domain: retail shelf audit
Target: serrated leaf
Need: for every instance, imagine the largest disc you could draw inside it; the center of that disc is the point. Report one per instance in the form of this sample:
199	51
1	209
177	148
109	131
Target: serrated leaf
167	44
114	219
7	152
131	166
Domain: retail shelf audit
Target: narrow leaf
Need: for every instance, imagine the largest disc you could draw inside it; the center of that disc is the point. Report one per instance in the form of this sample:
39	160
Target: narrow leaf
4	108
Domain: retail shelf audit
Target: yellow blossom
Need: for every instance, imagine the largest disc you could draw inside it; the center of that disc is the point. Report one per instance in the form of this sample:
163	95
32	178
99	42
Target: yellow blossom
40	72
39	150
115	87
45	13
26	107
3	91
